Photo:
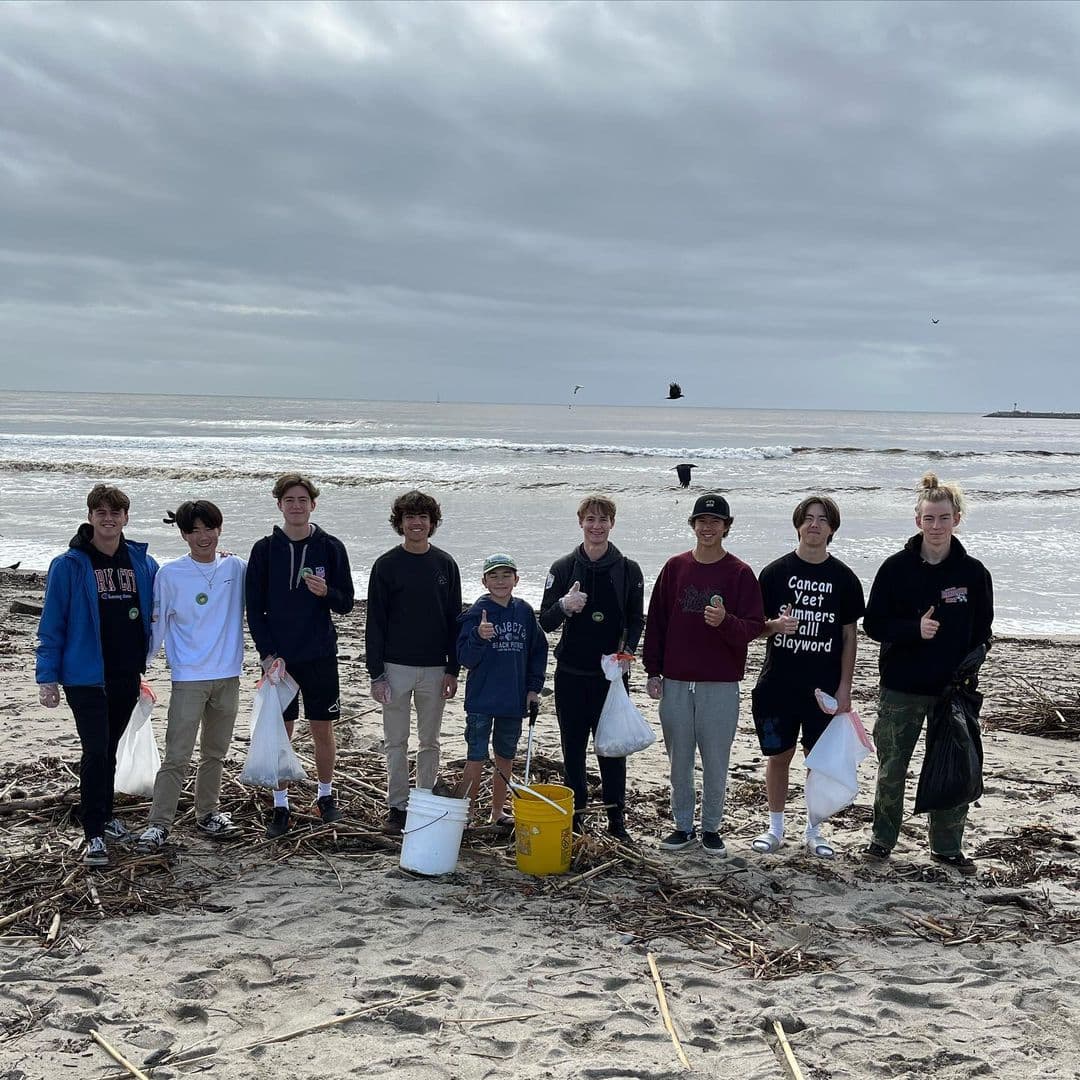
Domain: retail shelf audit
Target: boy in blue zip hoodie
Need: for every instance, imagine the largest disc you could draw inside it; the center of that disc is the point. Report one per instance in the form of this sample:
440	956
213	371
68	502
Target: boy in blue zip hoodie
92	640
505	650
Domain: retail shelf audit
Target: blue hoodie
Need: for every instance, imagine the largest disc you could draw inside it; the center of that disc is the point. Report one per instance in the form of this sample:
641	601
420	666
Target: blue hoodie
503	670
69	634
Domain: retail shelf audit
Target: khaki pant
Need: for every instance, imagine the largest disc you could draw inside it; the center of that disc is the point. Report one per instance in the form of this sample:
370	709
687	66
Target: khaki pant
424	685
210	704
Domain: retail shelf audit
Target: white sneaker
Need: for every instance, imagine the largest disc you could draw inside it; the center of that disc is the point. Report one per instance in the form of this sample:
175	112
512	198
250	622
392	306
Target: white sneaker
152	839
117	831
217	824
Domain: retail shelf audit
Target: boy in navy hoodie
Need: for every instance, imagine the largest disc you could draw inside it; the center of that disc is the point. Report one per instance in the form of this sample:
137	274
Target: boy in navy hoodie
505	650
296	578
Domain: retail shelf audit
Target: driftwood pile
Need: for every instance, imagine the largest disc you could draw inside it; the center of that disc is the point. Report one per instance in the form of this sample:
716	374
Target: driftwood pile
733	915
1035	712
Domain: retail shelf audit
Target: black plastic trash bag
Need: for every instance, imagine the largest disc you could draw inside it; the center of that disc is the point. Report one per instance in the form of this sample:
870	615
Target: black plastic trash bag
952	769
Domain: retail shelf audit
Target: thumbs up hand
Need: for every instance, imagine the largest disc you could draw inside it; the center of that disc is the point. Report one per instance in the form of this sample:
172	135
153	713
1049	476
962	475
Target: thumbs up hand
928	625
575	600
485	629
786	623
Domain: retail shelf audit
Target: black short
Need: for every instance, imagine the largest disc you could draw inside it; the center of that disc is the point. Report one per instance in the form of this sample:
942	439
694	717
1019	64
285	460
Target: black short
778	734
318	682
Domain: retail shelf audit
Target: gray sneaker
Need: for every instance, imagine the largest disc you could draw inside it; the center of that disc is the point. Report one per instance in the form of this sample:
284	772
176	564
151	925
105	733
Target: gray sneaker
117	831
96	854
151	840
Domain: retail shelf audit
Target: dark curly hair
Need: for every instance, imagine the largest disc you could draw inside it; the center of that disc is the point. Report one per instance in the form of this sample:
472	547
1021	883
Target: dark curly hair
414	502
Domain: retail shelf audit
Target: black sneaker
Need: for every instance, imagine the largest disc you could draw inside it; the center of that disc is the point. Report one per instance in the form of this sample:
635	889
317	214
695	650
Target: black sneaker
278	825
959	862
677	840
116	831
713	844
395	821
96	854
328	810
617	829
875	851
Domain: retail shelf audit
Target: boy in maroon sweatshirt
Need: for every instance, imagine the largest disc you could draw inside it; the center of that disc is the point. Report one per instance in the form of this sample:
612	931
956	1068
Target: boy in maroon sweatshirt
704	611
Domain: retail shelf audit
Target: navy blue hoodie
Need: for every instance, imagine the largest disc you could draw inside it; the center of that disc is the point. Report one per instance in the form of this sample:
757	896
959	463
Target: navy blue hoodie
285	617
503	670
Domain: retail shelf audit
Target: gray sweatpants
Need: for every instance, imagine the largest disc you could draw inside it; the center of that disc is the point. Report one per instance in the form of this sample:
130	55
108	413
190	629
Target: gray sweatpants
699	716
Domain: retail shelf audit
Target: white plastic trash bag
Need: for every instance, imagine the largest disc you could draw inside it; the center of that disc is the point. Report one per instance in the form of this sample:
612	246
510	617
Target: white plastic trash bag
271	762
832	780
622	730
137	757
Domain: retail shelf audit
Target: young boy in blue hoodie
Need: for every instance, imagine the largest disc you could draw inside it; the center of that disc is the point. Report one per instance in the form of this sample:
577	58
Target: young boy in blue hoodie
505	650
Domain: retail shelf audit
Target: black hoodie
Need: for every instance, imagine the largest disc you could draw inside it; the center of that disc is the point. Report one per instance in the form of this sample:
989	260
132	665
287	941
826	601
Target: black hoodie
614	615
285	617
961	593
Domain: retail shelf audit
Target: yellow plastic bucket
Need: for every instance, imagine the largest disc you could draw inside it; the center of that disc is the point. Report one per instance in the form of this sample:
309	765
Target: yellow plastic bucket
544	835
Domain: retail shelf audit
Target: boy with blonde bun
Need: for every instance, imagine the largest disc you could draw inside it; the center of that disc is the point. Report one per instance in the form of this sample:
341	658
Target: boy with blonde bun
929	606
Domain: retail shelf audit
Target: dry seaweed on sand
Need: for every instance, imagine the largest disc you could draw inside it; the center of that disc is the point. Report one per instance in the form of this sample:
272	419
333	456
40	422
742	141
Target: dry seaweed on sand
1020	852
1032	711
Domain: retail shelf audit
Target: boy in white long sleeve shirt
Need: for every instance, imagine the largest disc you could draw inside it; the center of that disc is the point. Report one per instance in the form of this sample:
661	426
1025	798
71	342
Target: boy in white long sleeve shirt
199	614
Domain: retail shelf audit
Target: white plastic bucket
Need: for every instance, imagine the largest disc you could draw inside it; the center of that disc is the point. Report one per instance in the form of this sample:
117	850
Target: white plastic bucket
432	836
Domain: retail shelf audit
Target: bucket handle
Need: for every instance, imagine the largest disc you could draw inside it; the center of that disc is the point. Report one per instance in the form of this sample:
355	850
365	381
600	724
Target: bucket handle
435	821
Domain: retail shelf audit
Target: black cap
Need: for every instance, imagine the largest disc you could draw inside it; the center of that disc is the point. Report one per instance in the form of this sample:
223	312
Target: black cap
716	505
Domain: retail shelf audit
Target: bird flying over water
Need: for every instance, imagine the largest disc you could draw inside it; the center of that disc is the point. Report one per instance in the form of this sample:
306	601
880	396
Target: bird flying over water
934	321
674	391
684	474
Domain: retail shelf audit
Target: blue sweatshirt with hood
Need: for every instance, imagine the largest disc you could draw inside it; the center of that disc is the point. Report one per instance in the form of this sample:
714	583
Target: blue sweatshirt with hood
503	670
69	633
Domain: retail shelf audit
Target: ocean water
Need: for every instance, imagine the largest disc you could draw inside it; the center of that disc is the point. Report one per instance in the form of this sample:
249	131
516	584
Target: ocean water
509	477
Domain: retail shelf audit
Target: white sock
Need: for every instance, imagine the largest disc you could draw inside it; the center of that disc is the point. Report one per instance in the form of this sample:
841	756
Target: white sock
813	830
281	798
776	823
325	789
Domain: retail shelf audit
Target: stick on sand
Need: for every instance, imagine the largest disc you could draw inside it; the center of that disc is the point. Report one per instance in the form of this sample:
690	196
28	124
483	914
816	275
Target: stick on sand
789	1056
661	998
117	1056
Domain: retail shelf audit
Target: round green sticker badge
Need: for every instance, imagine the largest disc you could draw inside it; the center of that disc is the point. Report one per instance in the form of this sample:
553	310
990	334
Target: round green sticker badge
201	598
597	616
133	613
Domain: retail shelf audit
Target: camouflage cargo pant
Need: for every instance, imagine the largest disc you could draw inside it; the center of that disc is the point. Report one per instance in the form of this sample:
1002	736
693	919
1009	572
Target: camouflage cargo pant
900	720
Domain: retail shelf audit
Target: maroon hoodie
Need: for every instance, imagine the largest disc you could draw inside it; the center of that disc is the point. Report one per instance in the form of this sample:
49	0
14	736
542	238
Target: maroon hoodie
679	644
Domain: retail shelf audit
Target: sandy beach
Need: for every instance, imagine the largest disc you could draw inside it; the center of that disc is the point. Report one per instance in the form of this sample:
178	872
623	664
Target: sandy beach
899	971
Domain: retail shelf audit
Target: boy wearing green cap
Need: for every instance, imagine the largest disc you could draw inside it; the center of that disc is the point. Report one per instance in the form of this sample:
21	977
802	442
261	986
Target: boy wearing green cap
502	645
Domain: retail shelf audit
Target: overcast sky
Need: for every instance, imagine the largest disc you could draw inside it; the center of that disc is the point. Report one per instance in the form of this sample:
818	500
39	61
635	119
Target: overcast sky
494	201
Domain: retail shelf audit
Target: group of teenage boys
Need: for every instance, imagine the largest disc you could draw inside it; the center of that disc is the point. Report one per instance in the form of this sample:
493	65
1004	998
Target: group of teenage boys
109	608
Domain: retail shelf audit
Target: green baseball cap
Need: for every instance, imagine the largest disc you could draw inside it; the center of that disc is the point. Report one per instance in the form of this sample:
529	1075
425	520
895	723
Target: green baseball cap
493	562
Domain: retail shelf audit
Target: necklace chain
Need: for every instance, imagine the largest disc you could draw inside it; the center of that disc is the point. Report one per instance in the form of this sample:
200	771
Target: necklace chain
209	580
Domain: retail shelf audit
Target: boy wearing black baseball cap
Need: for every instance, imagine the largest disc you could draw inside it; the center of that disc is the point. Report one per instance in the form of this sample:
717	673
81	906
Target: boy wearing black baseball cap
704	611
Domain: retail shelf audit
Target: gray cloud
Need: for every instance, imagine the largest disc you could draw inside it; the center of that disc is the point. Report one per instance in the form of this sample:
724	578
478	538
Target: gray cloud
766	201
